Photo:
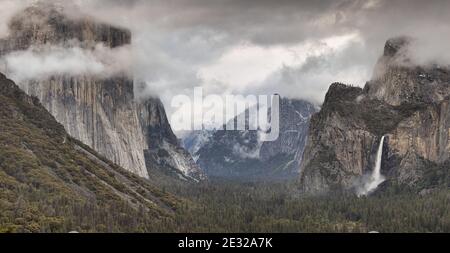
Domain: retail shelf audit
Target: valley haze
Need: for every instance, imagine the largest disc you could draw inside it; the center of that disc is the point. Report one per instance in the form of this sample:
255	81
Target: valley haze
227	116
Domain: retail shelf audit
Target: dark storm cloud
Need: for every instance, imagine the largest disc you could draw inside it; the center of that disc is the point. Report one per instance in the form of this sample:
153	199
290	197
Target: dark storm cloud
176	41
260	21
267	21
173	39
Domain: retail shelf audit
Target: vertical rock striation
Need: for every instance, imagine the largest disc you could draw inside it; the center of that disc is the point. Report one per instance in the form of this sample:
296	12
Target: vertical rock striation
99	110
163	149
241	155
409	104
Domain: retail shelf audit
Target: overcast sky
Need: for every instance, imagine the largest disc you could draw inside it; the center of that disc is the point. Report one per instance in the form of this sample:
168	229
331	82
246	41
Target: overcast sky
243	45
296	48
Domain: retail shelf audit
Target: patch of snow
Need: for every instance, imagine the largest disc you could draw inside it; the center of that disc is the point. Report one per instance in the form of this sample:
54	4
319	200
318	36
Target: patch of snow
245	152
195	140
303	118
228	160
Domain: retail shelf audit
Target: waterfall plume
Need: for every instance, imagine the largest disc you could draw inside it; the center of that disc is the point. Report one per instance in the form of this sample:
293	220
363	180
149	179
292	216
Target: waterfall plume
375	178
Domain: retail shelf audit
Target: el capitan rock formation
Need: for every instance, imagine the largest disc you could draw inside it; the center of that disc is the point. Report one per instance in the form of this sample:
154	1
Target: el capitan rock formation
100	111
50	181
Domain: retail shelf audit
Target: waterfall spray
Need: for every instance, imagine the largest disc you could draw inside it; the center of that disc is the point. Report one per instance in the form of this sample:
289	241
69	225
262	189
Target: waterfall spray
376	178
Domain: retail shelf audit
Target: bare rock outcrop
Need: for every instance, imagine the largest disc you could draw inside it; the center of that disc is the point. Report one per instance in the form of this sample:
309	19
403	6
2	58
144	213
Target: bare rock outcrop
408	104
99	110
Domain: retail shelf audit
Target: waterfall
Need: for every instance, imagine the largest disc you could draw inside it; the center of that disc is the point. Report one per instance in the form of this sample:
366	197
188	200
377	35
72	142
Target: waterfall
375	178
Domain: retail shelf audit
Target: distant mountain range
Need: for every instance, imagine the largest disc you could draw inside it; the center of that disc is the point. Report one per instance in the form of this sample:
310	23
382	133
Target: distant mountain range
241	156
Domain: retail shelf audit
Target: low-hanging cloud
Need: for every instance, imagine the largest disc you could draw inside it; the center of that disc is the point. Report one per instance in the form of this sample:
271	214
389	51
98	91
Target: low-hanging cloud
8	8
40	62
428	51
174	42
194	34
300	71
318	71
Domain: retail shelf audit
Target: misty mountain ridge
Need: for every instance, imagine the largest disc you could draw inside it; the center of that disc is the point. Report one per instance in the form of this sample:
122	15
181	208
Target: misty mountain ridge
406	103
86	145
242	156
100	110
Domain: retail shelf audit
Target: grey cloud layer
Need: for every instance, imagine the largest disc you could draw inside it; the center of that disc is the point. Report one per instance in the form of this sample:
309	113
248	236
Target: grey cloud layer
48	60
189	25
174	38
266	21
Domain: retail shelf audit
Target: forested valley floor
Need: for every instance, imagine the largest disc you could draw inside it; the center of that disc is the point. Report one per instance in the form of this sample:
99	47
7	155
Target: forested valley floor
257	207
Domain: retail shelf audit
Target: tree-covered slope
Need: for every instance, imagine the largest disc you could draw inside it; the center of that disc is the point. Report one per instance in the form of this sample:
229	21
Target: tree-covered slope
50	182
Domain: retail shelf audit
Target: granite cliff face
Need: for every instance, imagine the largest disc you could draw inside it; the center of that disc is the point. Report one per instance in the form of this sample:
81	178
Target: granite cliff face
294	123
101	111
240	155
51	180
164	149
48	24
408	104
